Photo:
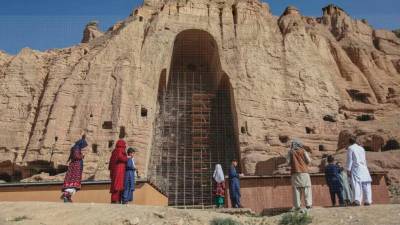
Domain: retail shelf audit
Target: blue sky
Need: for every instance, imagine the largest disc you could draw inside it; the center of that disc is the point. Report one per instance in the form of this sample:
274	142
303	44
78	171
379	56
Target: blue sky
44	24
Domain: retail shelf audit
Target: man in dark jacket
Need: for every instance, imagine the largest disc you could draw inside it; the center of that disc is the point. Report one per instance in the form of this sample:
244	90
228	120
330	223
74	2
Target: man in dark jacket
234	185
332	176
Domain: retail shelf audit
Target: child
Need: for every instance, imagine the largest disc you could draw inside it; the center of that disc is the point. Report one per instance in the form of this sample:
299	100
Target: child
130	173
332	176
220	188
344	180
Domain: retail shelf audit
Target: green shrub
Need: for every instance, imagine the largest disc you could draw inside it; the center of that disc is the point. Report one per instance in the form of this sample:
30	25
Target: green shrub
19	218
394	190
224	221
295	218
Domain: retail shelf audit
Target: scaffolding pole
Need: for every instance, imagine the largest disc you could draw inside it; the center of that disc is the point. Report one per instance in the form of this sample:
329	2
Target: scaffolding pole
193	132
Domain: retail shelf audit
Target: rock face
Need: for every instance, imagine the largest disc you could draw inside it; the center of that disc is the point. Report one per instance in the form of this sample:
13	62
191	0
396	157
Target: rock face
397	32
91	32
289	76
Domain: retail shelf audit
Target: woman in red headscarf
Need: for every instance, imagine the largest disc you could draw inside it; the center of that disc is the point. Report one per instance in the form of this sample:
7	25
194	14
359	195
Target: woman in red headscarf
117	166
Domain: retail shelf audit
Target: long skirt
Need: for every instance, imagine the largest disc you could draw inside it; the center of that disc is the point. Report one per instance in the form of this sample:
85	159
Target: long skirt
219	201
73	176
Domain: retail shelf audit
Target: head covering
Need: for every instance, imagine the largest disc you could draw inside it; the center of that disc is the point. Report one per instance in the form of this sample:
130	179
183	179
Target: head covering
296	144
120	144
218	174
81	144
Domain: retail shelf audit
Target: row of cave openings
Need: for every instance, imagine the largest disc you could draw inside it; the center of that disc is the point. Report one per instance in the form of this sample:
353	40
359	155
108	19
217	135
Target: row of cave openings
9	172
194	128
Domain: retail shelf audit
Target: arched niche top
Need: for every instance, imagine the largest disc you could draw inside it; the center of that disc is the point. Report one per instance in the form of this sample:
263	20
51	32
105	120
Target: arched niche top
196	51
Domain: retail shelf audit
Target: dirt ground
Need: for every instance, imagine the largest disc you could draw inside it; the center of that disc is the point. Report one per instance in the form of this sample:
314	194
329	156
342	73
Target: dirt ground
45	213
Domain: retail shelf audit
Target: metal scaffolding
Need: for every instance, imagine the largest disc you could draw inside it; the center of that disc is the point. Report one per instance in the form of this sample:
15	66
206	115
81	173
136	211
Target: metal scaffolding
193	132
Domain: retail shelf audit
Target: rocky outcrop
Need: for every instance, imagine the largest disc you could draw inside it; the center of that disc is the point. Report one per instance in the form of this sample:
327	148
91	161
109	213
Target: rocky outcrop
387	42
397	33
91	32
4	58
286	75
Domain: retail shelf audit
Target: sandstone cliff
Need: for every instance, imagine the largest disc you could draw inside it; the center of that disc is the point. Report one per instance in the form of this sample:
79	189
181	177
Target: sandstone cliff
291	76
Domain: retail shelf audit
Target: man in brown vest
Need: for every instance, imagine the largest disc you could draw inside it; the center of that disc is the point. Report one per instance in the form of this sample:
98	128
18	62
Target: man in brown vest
299	160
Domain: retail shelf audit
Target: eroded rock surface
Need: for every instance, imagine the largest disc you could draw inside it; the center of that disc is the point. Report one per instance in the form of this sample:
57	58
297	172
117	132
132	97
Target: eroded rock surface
91	32
287	74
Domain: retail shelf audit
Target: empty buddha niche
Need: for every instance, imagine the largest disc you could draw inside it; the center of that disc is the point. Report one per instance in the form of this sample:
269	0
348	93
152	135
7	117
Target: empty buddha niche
195	125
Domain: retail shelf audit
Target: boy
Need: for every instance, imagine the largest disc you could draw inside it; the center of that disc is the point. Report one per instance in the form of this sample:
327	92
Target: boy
234	185
332	176
129	184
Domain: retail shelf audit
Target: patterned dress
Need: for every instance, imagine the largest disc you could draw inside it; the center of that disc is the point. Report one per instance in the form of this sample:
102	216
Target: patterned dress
220	189
220	194
73	176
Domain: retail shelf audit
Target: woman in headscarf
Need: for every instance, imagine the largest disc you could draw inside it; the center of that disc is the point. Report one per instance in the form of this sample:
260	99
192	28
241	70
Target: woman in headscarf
73	177
298	159
117	166
220	186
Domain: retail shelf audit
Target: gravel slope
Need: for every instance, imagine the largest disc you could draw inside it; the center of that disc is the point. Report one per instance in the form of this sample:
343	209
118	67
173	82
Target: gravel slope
44	213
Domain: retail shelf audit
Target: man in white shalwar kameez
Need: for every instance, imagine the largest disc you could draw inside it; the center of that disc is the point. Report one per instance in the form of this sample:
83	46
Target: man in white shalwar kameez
360	178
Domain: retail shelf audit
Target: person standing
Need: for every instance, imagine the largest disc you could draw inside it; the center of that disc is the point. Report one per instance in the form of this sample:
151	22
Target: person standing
344	180
332	176
357	169
298	159
234	185
73	177
220	186
117	167
130	173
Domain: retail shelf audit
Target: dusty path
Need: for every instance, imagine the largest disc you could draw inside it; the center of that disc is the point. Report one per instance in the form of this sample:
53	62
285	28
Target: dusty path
44	213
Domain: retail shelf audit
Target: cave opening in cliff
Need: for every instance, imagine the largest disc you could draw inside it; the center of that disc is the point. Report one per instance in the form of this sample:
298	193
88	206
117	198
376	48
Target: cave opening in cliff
43	166
194	127
11	172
